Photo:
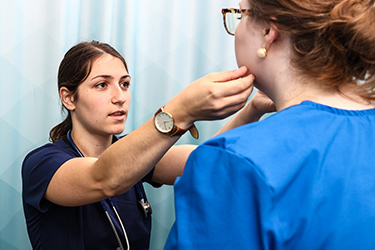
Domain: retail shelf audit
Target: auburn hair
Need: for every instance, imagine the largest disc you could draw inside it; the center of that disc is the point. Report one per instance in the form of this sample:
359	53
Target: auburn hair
333	40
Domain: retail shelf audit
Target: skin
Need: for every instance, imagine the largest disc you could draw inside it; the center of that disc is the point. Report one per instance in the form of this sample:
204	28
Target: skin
101	110
103	105
274	74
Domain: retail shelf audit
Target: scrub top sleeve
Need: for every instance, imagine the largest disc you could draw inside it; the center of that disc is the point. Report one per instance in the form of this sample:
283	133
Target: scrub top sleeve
148	179
220	202
38	169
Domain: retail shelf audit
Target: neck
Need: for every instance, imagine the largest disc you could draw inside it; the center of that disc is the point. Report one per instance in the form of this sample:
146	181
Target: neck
286	87
345	98
90	145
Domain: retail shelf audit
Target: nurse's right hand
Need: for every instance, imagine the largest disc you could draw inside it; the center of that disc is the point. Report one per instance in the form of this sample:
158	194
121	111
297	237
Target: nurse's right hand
214	96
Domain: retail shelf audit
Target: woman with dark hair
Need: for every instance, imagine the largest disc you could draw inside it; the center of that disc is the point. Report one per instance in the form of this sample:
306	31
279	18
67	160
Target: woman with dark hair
303	178
84	190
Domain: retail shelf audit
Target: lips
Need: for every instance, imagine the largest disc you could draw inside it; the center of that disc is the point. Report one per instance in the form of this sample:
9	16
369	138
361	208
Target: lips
118	113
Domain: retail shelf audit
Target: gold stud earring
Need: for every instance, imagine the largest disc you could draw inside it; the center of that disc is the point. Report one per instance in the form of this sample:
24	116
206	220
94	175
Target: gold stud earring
262	52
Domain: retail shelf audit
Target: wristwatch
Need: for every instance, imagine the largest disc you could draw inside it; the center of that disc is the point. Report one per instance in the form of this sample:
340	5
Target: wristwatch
165	124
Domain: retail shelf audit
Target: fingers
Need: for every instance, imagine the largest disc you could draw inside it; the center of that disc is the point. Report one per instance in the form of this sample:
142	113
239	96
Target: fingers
233	87
225	111
227	105
238	99
214	96
228	75
226	97
262	103
239	85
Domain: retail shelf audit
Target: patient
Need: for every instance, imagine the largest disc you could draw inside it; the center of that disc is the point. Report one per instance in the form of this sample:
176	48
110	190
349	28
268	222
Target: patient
303	178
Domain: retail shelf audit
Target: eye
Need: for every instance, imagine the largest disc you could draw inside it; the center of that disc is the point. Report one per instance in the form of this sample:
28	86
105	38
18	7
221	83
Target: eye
125	84
101	85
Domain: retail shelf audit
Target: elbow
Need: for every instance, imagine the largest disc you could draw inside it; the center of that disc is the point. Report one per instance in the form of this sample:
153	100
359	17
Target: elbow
110	183
110	192
115	187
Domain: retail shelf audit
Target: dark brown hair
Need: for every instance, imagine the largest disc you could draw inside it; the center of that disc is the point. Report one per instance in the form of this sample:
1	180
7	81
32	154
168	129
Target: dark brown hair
74	69
333	40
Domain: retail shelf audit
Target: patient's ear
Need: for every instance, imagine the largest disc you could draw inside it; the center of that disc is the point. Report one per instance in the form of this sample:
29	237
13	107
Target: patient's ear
270	35
67	98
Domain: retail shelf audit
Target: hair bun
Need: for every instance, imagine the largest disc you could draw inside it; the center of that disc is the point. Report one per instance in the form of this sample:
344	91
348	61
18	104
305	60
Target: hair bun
352	26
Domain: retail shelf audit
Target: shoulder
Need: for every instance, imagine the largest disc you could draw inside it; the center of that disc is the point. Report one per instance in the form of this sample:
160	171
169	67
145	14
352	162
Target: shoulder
263	133
51	154
38	168
278	142
56	146
278	146
287	128
60	148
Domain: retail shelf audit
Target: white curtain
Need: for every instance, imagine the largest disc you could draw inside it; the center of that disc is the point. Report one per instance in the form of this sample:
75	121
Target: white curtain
167	45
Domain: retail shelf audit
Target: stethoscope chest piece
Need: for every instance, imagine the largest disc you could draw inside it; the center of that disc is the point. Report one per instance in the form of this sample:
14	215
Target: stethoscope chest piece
144	206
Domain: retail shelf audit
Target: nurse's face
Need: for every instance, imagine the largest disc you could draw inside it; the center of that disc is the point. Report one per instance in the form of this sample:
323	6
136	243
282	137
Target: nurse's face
103	98
248	39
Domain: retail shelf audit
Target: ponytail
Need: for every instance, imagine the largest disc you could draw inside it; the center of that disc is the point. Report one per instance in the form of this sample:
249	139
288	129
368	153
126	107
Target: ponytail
61	129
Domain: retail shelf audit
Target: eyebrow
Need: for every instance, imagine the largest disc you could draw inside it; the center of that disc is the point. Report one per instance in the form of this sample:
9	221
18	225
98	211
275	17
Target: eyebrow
109	76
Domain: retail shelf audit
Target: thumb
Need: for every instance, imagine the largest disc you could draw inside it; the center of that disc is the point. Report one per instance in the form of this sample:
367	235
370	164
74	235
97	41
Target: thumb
229	75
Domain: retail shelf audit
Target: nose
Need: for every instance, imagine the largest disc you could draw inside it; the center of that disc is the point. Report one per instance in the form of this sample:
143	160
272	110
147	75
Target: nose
119	96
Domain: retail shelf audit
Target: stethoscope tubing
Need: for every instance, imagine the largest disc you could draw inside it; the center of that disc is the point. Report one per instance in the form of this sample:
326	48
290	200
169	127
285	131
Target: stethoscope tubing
111	202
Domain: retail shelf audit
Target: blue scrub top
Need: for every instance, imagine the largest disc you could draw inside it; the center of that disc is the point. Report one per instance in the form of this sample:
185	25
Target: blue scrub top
51	226
303	178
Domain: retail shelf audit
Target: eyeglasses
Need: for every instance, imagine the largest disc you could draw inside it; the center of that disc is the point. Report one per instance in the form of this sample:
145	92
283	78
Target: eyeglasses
232	18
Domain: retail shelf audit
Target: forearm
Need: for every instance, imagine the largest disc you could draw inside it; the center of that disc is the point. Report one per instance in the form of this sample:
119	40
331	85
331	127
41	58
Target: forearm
246	115
131	158
81	181
172	164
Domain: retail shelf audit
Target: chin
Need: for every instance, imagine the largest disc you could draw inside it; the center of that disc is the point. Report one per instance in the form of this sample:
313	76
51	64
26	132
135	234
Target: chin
117	130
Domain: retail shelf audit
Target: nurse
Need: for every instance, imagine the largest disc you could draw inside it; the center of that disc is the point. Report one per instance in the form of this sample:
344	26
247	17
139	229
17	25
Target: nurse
303	178
84	190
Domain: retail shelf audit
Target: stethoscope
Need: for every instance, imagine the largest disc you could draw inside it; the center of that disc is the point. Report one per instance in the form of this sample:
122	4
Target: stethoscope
142	203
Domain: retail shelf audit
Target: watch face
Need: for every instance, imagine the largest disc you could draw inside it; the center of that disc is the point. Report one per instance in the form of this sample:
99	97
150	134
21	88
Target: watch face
164	122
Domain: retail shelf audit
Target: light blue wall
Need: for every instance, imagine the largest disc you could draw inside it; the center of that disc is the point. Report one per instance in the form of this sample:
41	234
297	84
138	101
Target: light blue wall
167	44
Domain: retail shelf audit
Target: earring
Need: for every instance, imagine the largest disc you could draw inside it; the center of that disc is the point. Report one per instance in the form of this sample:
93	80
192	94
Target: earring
262	52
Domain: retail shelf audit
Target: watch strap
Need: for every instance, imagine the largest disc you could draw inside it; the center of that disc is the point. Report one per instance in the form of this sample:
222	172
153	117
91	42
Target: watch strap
177	131
194	131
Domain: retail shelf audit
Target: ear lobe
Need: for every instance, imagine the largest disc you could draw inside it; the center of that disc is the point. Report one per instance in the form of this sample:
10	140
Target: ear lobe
67	98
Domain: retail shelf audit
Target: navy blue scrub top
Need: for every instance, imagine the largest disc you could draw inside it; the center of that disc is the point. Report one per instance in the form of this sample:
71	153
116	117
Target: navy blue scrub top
51	226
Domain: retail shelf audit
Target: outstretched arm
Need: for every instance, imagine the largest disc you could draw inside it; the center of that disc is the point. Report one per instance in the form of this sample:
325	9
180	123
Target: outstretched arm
85	180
